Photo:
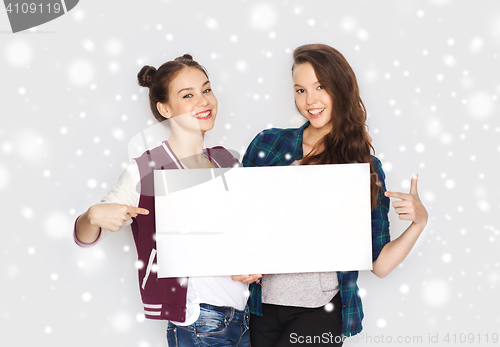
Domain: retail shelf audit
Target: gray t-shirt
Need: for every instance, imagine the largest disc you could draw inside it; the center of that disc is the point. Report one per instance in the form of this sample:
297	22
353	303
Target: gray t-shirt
308	289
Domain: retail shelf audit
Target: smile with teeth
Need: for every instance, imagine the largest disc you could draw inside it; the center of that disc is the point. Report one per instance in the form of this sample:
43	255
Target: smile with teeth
203	115
316	112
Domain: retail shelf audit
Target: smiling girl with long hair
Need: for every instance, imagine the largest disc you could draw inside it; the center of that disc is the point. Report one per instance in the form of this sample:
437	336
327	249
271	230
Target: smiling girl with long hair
324	308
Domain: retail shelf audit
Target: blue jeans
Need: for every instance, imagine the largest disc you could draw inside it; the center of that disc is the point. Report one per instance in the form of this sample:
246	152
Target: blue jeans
216	326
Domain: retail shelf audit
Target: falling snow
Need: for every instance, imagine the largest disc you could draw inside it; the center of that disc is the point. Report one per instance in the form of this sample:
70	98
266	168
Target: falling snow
263	16
121	322
86	297
57	224
81	72
404	288
72	108
480	105
19	53
446	257
436	293
211	23
381	323
241	65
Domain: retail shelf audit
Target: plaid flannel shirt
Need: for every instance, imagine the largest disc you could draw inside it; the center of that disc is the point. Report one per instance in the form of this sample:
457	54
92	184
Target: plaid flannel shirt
275	147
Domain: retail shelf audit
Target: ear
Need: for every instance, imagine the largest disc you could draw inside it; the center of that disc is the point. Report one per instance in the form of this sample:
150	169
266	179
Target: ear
163	109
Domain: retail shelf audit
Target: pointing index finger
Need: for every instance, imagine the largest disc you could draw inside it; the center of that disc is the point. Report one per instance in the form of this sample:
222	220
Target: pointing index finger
397	195
137	210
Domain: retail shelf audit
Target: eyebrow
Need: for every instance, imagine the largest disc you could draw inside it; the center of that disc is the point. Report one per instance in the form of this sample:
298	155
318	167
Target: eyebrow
191	88
298	85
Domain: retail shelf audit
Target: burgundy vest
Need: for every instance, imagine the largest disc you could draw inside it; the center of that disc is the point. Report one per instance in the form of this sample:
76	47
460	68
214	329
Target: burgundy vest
163	298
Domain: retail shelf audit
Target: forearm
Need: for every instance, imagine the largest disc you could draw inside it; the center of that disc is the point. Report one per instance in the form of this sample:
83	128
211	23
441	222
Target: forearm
86	232
396	251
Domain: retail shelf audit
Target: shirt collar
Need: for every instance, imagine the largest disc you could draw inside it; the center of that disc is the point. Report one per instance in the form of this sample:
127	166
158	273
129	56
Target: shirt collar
297	141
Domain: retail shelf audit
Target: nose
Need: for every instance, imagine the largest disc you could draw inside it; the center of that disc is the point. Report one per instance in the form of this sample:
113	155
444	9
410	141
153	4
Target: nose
202	101
311	99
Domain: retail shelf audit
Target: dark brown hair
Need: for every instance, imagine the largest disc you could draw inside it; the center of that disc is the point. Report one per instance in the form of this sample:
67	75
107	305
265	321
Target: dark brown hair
348	141
158	80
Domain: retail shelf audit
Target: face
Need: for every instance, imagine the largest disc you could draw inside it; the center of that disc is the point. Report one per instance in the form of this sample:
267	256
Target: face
192	104
311	99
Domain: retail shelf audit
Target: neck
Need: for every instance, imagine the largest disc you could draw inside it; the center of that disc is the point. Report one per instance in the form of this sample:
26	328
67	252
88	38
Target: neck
312	135
186	144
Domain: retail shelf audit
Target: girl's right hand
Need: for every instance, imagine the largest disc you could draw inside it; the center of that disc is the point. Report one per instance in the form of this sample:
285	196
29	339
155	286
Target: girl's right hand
111	216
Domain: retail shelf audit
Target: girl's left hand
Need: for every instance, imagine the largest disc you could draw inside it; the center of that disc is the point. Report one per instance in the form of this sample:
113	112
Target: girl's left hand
410	207
246	278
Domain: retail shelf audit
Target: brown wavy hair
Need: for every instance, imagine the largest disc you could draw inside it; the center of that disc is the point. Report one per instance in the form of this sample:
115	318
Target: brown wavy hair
348	141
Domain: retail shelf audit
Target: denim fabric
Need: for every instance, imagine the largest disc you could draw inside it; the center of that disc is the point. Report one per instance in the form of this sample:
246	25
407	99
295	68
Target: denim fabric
216	326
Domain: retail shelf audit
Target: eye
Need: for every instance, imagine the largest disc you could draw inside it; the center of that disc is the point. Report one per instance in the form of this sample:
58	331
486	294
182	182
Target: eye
208	90
187	96
320	87
299	91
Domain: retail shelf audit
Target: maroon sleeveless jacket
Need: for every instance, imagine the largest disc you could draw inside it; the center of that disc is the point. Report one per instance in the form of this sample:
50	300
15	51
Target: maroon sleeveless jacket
163	298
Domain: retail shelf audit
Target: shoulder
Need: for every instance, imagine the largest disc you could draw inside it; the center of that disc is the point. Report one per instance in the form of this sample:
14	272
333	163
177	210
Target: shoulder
270	146
225	157
130	175
159	157
219	149
377	165
282	134
274	139
147	153
125	190
376	161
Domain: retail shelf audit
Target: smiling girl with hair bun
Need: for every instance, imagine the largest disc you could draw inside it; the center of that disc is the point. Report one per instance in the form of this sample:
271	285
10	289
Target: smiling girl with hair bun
202	311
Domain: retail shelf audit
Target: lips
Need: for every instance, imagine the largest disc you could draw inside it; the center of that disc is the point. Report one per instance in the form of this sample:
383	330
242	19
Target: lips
203	115
315	112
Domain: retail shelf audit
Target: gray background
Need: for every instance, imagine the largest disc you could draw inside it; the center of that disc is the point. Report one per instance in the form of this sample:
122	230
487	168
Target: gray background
428	72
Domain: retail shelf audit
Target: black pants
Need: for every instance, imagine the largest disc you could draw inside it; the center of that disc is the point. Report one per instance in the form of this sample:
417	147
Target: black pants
297	326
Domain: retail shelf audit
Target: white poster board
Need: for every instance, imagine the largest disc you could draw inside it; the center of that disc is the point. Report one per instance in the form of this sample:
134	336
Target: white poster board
263	220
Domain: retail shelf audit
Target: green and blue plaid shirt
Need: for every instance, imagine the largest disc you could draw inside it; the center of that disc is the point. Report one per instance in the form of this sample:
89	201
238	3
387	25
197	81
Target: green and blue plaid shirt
275	147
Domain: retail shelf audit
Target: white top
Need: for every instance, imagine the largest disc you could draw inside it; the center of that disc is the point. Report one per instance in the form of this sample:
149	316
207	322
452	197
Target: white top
214	290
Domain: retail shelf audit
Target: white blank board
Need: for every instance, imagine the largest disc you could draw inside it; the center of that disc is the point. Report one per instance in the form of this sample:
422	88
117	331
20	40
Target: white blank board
263	220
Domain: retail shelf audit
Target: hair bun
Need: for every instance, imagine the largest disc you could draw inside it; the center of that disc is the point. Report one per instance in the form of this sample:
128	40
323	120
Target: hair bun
185	57
145	76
